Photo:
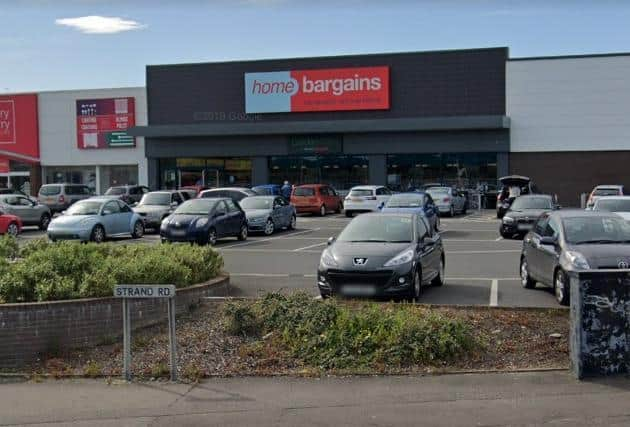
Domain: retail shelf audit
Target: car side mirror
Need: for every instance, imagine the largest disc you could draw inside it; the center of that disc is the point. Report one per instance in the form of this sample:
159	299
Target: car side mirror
548	241
557	207
174	204
331	240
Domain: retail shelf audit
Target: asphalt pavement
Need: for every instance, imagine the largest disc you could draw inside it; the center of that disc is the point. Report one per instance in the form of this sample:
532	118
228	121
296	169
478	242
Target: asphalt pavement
481	267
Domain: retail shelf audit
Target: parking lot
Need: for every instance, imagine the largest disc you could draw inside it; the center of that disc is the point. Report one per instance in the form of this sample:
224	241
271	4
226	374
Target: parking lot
481	267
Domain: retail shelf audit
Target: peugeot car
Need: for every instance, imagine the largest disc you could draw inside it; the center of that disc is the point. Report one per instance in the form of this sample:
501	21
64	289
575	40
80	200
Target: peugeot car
268	213
521	216
204	221
387	255
564	241
417	202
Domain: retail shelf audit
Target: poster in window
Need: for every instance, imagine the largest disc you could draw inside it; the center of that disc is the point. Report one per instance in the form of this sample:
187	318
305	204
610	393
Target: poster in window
103	123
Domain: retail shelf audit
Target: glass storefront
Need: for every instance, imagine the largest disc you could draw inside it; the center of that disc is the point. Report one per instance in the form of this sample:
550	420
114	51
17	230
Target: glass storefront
464	170
117	175
340	171
212	172
71	175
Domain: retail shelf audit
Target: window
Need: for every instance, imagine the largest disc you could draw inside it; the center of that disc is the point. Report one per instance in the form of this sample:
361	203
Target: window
12	201
304	192
77	190
541	225
280	201
50	190
231	206
552	229
422	228
23	201
380	192
177	198
324	191
112	176
111	208
123	206
221	209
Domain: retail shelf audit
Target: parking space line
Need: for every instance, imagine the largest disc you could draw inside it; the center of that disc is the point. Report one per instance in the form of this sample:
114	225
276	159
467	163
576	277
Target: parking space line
251	242
310	246
485	279
507	251
472	240
278	251
498	239
494	293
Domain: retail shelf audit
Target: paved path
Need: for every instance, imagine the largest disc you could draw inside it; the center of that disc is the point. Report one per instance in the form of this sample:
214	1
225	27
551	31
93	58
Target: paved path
531	399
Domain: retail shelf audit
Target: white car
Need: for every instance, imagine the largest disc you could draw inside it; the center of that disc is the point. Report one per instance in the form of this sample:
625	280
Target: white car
366	198
448	200
603	191
616	204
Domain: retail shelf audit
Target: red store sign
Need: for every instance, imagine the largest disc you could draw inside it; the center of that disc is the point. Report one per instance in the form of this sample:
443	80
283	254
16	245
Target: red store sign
19	132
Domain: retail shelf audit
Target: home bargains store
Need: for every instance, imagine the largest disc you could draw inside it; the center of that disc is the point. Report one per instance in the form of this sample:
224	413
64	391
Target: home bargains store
398	119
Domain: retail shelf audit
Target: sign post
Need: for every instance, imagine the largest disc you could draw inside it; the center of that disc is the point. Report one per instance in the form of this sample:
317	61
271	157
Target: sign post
127	292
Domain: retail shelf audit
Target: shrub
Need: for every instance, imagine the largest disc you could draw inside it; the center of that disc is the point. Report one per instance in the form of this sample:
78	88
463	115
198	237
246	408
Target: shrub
92	369
9	248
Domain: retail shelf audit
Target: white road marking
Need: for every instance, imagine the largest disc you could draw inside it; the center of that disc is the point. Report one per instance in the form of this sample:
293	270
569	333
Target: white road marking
498	239
310	276
473	240
481	252
485	279
310	246
278	251
494	293
251	242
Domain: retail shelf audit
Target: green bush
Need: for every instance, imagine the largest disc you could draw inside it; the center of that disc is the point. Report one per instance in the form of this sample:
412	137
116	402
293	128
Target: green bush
331	335
9	248
72	270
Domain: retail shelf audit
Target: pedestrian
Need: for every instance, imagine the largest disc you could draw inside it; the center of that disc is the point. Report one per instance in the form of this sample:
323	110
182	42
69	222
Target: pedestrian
286	190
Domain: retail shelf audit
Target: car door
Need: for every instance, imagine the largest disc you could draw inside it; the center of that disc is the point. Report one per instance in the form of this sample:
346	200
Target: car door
109	217
549	254
124	218
235	216
531	244
221	220
426	248
11	206
287	211
28	211
429	210
278	213
382	196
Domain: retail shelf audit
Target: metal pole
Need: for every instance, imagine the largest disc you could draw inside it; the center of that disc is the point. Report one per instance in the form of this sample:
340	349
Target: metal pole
172	338
126	341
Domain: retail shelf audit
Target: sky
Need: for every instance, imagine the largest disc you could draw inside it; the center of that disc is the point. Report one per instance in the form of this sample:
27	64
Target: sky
76	44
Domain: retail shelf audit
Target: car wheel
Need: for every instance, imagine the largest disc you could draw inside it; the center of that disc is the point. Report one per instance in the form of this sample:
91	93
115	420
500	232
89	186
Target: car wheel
13	229
560	288
505	235
269	228
292	223
439	279
243	233
339	208
44	221
322	210
452	211
526	280
416	290
464	209
98	234
436	225
138	230
212	237
349	214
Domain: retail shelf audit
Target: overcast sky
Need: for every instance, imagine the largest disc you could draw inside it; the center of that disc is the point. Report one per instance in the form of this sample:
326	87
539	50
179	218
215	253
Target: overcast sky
71	44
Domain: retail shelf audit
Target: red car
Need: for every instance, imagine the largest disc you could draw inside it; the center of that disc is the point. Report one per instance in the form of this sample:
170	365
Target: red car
10	224
316	199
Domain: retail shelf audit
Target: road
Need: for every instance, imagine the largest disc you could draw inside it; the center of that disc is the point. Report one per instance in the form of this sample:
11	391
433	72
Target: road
481	267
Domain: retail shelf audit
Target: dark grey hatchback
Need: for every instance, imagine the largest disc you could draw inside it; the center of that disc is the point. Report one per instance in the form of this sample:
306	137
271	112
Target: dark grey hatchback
383	255
564	241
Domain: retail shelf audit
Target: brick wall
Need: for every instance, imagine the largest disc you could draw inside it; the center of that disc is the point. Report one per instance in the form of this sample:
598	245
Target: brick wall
30	330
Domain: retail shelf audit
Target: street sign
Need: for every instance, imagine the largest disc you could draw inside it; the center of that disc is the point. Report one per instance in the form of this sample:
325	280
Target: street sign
127	292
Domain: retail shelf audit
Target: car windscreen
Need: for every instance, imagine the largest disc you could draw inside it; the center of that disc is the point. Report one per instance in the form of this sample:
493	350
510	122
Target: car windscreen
378	228
531	203
405	201
87	207
263	191
115	191
361	192
613	205
304	192
257	203
196	207
606	192
596	229
438	190
156	199
50	190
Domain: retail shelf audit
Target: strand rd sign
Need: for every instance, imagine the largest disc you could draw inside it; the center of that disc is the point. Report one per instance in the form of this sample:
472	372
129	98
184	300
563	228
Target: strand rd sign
334	89
144	291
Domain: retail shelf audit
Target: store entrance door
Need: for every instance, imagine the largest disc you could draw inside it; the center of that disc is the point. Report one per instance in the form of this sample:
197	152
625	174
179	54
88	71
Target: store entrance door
198	178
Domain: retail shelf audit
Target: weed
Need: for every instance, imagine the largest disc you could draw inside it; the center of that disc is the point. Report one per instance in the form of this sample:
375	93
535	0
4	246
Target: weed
93	369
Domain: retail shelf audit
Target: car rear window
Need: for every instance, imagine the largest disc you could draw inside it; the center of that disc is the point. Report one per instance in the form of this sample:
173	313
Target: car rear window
77	189
115	191
361	193
50	190
606	192
304	192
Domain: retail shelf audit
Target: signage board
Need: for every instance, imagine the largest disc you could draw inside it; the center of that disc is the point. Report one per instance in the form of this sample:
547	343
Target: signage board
19	132
333	89
144	291
315	144
103	123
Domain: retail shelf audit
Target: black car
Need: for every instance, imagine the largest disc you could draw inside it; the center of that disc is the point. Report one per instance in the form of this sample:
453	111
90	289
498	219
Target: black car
235	193
511	187
204	221
564	241
523	214
382	255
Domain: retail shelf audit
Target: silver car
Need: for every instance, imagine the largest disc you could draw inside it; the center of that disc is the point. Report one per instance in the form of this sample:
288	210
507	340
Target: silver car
448	200
29	211
268	213
157	205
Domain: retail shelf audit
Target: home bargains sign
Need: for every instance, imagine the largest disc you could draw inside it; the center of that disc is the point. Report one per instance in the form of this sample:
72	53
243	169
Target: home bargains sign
103	123
334	89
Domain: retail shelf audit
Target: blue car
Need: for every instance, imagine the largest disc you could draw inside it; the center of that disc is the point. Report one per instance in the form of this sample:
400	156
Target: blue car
96	219
268	190
204	221
268	213
416	202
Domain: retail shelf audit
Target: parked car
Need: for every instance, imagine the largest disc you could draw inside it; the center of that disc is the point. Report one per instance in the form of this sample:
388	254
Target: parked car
523	214
603	191
268	213
235	193
10	224
157	205
268	190
204	221
194	190
417	202
382	255
511	187
129	194
95	220
30	212
616	204
448	200
4	191
365	198
58	197
564	241
316	199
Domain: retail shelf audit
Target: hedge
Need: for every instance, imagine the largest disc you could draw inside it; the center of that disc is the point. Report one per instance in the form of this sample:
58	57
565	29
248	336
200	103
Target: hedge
41	271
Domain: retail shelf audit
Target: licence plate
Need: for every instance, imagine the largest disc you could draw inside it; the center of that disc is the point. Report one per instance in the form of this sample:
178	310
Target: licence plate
358	290
524	227
356	199
50	200
178	232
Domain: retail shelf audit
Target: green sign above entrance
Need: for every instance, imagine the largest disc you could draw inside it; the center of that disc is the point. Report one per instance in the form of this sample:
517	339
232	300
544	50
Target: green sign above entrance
120	139
315	144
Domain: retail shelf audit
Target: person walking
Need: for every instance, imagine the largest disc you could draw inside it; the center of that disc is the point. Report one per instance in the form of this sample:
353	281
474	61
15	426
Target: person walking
285	190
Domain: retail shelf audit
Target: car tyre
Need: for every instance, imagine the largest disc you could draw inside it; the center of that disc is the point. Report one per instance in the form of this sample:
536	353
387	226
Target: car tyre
416	289
505	235
242	235
436	226
292	223
526	281
98	234
560	289
349	214
212	237
270	227
452	211
13	229
439	279
465	209
44	221
322	210
138	230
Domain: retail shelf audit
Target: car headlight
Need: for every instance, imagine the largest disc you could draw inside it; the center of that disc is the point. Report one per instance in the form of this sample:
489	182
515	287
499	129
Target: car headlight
201	222
328	260
508	220
402	258
575	260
